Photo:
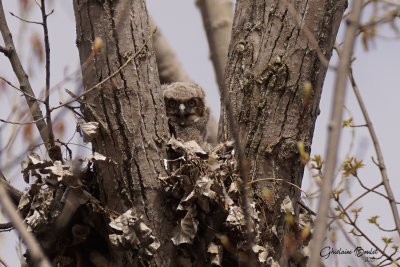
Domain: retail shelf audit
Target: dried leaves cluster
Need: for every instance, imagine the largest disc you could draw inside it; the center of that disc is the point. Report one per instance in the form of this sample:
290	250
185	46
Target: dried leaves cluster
62	209
204	193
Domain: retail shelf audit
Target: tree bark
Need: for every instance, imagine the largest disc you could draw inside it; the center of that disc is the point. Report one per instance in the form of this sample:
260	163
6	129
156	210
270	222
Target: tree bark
130	111
269	61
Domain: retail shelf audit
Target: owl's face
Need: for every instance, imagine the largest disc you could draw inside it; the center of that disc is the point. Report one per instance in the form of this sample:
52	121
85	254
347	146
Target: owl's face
184	103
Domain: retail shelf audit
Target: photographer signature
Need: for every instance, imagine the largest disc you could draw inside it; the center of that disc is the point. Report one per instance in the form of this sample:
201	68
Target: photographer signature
367	255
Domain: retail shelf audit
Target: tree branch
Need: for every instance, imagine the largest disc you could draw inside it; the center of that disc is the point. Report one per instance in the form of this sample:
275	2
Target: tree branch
16	88
4	50
14	193
378	151
35	251
217	18
24	20
47	88
169	68
356	227
23	79
334	132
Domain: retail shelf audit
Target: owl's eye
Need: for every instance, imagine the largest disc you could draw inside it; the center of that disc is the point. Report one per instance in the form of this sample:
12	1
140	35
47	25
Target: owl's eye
172	103
191	103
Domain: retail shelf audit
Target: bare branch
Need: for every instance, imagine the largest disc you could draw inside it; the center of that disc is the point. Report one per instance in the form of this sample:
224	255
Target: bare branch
169	68
24	20
23	123
2	262
14	193
23	79
334	131
278	180
217	18
47	88
51	12
6	227
16	88
35	251
378	151
362	234
4	50
346	235
387	17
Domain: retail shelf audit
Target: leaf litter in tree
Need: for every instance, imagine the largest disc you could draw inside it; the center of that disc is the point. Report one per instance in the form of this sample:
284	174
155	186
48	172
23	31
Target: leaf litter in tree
131	232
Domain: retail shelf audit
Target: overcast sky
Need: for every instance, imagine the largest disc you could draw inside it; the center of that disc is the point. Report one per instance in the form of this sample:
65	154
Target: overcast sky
377	72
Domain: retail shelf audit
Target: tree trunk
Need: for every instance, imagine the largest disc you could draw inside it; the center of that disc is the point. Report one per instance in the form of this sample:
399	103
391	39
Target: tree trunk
130	111
269	61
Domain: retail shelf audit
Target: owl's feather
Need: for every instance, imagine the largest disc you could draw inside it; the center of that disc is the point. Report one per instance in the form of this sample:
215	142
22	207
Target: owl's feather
186	110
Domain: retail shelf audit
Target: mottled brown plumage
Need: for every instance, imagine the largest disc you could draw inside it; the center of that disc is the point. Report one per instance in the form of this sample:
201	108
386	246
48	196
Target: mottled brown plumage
186	110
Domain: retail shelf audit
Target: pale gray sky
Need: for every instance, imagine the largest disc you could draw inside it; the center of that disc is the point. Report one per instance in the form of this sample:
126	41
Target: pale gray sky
377	73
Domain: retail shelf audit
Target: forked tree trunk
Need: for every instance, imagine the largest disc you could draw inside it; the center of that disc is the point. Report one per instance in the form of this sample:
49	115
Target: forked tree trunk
269	60
130	110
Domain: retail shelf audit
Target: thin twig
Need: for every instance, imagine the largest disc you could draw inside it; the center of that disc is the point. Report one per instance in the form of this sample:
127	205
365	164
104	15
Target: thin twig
307	208
279	180
4	264
364	5
51	12
355	200
96	86
6	227
47	88
362	234
23	78
389	16
372	190
23	123
346	235
334	132
15	87
24	20
378	151
16	160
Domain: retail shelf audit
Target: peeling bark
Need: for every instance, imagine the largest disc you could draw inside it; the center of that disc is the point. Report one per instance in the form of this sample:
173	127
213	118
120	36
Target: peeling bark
131	114
269	61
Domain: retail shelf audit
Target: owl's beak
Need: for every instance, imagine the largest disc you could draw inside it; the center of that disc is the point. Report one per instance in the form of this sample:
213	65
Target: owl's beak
182	110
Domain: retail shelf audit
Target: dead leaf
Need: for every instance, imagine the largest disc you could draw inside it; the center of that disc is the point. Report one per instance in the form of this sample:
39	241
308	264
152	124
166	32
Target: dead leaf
187	230
216	253
89	129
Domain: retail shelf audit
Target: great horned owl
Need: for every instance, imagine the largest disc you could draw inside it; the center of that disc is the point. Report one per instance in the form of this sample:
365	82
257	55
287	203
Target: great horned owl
186	110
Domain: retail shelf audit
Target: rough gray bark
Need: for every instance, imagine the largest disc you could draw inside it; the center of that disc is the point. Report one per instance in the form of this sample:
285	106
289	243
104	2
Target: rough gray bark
269	61
130	111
